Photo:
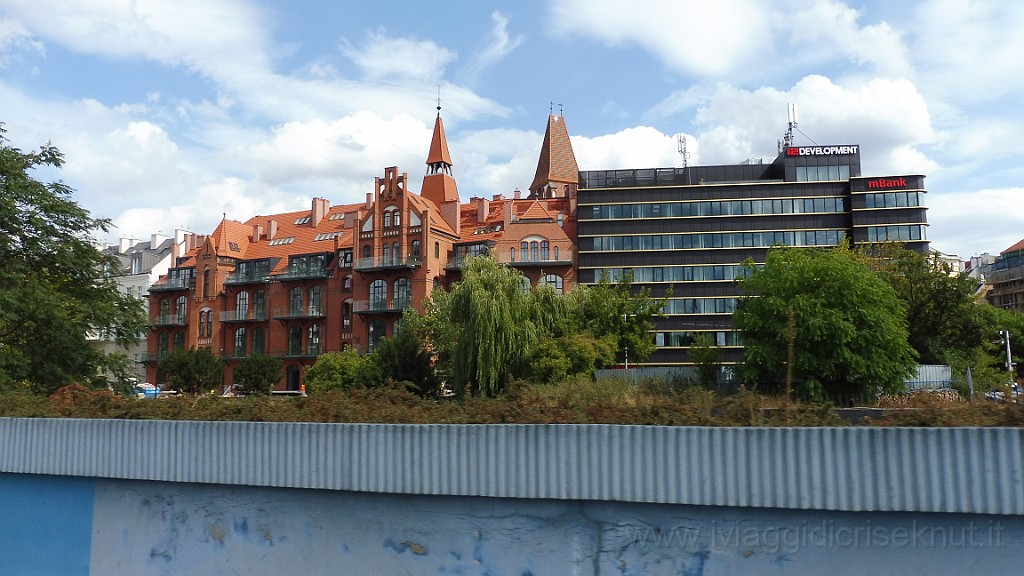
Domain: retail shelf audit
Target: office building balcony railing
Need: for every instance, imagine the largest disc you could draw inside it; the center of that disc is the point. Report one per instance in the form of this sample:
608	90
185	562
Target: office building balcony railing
170	320
298	313
382	262
250	315
173	284
395	305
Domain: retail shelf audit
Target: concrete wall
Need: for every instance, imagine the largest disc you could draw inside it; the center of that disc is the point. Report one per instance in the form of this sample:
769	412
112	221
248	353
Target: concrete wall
102	498
63	526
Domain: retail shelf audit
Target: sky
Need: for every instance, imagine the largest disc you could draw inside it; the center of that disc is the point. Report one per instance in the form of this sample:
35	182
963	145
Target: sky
172	115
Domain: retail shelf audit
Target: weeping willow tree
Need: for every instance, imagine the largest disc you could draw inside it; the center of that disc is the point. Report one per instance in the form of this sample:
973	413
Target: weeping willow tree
484	328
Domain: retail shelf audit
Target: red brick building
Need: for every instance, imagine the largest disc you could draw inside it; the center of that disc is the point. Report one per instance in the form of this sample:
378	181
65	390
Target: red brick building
298	284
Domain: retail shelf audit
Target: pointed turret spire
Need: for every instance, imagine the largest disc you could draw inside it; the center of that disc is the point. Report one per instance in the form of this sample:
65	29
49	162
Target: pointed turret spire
438	184
557	171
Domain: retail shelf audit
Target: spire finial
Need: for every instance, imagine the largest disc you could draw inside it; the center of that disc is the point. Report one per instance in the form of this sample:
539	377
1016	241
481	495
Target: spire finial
438	99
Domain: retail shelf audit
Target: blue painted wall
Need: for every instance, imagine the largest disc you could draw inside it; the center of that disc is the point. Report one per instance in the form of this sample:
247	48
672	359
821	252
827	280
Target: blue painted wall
151	528
45	525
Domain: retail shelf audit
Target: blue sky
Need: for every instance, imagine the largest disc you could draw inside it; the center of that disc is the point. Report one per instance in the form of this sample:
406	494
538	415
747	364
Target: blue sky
172	113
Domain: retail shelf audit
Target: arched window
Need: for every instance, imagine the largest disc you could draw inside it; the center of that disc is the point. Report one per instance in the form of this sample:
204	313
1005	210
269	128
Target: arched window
379	295
181	309
241	305
294	341
386	254
346	316
346	283
396	254
397	220
403	294
315	308
524	250
367	251
206	283
179	340
162	345
240	343
259	305
259	341
313	341
533	251
376	334
544	250
387	218
556	252
295	302
414	249
437	249
512	254
205	323
165	311
553	280
396	328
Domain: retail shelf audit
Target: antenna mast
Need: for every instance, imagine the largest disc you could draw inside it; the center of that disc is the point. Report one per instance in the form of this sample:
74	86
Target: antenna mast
787	140
684	154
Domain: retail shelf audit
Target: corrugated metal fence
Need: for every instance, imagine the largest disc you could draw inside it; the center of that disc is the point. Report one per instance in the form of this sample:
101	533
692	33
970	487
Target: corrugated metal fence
972	470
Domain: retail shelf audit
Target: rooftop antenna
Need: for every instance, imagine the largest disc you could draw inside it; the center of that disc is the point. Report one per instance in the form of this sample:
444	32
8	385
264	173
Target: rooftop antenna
684	154
787	140
551	109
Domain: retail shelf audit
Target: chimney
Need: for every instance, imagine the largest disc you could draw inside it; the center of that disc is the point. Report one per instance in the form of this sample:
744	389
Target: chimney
369	199
124	244
257	231
319	210
507	214
517	194
156	240
497	198
482	208
271	229
450	214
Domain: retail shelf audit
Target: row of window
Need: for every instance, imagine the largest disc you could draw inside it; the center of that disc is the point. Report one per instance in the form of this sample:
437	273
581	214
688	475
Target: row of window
685	339
533	252
718	240
701	305
822	173
895	233
720	208
706	273
893	200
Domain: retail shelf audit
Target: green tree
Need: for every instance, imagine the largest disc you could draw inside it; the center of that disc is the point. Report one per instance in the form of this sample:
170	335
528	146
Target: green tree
257	374
849	329
54	290
483	328
334	371
401	358
194	371
706	355
620	310
943	316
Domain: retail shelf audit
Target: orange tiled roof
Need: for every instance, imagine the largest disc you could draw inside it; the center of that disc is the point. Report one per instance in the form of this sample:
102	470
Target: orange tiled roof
439	145
557	163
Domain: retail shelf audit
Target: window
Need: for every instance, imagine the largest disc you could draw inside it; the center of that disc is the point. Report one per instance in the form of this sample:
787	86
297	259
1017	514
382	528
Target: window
387	219
315	300
242	306
181	309
396	254
259	341
165	310
205	323
346	283
376	334
414	249
259	305
379	295
313	341
346	316
294	341
556	252
295	302
367	251
240	343
162	345
397	220
533	251
386	254
437	249
524	249
553	280
179	340
403	294
544	251
512	254
206	283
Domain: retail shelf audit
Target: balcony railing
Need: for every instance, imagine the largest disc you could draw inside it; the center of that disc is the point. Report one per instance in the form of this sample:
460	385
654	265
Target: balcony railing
170	320
236	278
305	312
380	262
381	306
1006	275
152	357
301	275
297	352
173	284
251	315
562	260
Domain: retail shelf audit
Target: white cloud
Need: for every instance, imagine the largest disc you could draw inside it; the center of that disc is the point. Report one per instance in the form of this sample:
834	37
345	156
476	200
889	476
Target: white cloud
640	147
705	38
501	44
969	223
14	36
384	56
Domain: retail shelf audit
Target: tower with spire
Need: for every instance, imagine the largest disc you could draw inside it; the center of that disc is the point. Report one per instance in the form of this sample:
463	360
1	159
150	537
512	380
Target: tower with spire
438	183
557	172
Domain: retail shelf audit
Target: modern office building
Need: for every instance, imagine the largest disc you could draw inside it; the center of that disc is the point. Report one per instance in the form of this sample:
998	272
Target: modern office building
687	231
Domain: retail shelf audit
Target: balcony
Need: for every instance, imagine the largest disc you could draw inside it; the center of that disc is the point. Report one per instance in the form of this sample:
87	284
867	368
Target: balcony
381	263
297	352
394	306
1006	275
170	320
540	262
173	284
298	313
294	275
152	357
244	316
235	279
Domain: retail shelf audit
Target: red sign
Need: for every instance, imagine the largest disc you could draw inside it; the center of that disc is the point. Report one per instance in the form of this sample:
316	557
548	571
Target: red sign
822	150
887	183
